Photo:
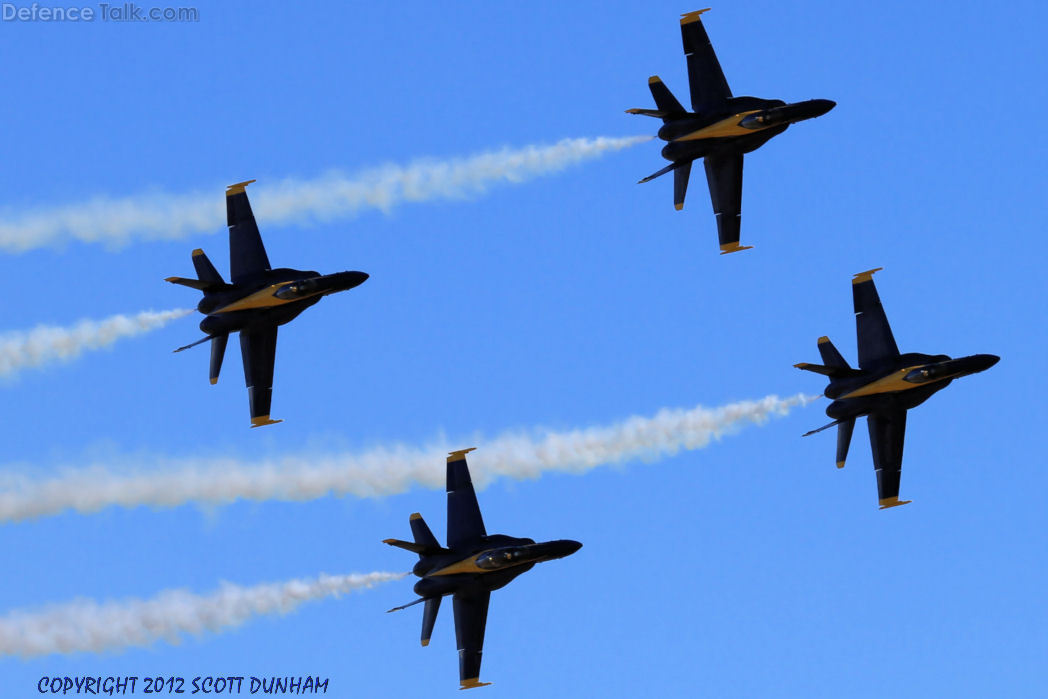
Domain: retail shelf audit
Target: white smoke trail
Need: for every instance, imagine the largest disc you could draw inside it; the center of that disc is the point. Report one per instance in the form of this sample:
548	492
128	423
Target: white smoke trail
89	626
45	344
335	195
378	472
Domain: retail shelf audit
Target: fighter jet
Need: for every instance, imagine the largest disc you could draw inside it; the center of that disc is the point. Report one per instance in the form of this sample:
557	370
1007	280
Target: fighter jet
472	565
884	387
258	300
720	129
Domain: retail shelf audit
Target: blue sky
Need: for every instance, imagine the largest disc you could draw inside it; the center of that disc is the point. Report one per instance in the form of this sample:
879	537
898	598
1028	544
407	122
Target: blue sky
751	568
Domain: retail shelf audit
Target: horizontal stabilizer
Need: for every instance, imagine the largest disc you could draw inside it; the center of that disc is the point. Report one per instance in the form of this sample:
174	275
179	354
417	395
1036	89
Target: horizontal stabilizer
824	427
831	371
660	173
191	283
194	344
405	606
816	368
649	112
408	546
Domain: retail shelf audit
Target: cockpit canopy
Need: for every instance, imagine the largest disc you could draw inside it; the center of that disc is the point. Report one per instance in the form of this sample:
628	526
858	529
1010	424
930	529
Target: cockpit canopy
297	289
500	558
755	121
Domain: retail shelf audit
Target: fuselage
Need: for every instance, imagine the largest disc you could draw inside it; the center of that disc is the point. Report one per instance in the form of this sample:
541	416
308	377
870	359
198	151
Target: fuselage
493	563
903	383
274	297
745	124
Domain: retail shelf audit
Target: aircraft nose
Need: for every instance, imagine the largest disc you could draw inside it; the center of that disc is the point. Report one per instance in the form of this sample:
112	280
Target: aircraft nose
823	106
987	360
566	547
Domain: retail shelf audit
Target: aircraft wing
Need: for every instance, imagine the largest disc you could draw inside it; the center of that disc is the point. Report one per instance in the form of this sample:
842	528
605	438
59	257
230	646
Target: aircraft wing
874	335
471	617
465	525
709	89
724	177
247	255
887	430
259	350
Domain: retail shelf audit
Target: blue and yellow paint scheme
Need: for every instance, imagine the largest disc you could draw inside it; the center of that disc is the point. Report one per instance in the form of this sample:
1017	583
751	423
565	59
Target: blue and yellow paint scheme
885	386
255	303
719	129
471	566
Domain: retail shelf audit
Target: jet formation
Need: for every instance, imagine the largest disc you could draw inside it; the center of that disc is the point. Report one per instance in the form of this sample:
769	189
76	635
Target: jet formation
472	565
258	300
720	129
884	387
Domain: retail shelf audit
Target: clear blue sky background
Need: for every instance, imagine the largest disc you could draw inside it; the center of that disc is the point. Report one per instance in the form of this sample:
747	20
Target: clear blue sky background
752	568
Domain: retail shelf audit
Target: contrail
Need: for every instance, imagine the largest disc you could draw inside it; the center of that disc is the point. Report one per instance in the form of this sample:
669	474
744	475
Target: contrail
164	216
45	344
88	626
381	471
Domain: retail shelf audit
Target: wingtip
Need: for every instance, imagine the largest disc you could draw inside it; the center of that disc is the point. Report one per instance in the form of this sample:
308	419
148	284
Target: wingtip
472	683
866	276
237	188
262	421
459	455
728	248
689	17
886	503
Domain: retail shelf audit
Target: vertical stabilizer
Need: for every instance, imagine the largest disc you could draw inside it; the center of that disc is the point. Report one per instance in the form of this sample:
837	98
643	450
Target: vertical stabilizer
830	356
669	107
218	352
680	184
422	534
206	271
429	618
844	435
